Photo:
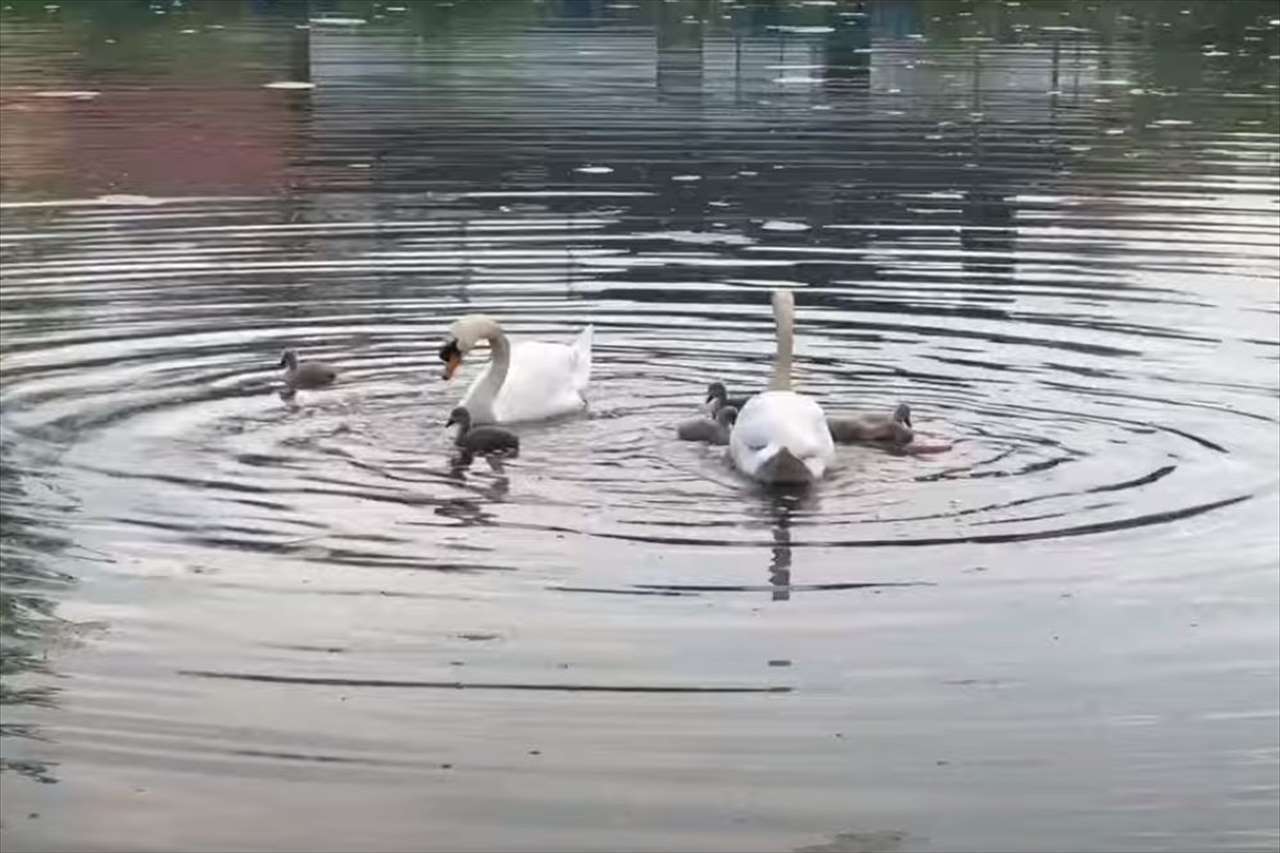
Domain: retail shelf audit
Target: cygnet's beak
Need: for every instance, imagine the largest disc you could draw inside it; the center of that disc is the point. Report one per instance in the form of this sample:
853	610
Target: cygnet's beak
450	422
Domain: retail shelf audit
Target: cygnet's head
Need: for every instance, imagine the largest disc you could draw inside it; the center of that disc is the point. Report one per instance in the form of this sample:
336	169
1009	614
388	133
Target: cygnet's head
464	334
902	414
461	417
289	358
717	392
726	416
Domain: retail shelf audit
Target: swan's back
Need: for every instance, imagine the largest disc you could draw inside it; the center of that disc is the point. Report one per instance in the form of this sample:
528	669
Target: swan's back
544	380
781	436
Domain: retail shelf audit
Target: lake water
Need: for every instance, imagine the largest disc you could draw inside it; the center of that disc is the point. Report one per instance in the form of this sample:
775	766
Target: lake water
234	621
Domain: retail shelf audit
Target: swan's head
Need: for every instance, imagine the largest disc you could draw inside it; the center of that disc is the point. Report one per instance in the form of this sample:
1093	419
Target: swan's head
726	416
289	359
461	418
902	414
463	335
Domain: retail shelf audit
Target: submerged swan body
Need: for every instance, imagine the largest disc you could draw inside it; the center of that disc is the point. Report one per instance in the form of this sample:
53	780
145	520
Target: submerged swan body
524	381
781	436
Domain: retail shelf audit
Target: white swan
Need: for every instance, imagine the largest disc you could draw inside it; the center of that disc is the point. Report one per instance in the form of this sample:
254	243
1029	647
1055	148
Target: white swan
781	436
524	381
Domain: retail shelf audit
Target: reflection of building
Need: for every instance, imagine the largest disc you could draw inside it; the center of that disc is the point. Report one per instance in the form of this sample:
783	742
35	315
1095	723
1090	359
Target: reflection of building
201	124
989	234
679	51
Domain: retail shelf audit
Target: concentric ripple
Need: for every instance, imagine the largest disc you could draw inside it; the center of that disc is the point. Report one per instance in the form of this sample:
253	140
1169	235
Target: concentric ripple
1050	228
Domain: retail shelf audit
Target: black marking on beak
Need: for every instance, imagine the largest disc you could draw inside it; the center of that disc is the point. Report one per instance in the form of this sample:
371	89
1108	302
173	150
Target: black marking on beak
449	349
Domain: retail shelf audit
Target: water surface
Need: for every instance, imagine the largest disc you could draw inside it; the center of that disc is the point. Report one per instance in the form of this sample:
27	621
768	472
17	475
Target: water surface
234	621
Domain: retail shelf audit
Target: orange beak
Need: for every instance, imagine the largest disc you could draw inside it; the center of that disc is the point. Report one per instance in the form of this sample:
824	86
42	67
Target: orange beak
451	366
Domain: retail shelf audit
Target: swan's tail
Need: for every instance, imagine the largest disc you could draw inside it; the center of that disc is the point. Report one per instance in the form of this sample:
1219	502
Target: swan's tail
582	358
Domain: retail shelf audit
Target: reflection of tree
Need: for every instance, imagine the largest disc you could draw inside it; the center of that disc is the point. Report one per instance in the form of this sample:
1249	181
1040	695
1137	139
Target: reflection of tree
26	612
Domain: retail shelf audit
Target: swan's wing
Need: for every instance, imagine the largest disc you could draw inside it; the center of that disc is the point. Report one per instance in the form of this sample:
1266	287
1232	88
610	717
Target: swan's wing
542	382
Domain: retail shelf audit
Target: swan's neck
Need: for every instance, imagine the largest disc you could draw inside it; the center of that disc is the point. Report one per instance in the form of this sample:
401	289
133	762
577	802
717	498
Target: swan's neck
499	362
784	319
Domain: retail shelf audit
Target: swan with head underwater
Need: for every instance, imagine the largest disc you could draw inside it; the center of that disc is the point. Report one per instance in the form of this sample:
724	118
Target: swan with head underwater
524	380
781	436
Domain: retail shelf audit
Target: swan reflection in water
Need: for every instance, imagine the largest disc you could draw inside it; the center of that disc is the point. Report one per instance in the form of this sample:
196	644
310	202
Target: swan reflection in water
777	508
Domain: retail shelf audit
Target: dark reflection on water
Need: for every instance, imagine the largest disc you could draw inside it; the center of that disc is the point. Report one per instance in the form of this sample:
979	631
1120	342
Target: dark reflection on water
1050	227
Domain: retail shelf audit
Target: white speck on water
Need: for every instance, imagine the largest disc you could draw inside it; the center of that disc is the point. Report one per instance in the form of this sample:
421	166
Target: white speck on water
1115	131
796	79
339	22
359	165
70	94
1172	122
125	198
917	36
784	225
594	170
188	32
1114	83
686	178
820	107
289	84
801	30
747	173
302	26
109	41
214	27
397	9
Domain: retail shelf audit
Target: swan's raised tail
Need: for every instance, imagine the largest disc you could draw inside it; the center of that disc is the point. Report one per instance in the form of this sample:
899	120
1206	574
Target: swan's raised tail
581	369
